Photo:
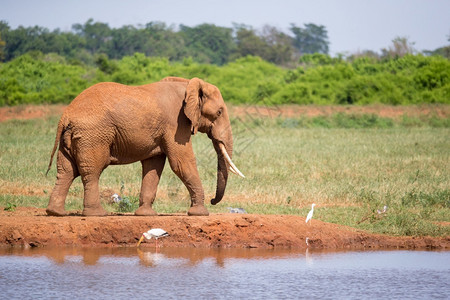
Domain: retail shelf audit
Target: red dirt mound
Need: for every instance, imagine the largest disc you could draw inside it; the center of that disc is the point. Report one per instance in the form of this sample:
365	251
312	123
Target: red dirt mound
31	227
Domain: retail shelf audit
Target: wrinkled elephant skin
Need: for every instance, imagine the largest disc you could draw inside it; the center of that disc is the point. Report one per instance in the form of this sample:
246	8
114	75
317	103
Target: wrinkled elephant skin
112	124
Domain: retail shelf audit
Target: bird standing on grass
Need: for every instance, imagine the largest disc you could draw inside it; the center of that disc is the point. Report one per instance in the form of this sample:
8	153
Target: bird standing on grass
310	214
116	198
382	211
236	210
155	233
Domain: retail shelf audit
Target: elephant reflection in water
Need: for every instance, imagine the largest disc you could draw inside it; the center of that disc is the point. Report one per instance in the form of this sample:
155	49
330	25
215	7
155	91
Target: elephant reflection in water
148	256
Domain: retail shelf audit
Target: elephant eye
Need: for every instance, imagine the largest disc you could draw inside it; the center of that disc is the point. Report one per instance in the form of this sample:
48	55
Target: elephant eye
219	112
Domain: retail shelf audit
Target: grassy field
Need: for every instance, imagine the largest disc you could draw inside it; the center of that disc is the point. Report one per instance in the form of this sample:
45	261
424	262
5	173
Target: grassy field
349	166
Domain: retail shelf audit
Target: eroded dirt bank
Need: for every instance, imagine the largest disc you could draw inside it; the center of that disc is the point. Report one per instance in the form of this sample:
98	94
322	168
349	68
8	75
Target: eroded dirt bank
31	227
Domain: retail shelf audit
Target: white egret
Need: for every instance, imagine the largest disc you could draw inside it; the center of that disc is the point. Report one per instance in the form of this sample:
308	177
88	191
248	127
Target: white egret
310	214
236	210
155	233
382	211
116	198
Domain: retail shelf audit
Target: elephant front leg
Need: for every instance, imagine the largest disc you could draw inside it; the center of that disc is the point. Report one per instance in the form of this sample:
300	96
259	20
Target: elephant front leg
184	165
151	173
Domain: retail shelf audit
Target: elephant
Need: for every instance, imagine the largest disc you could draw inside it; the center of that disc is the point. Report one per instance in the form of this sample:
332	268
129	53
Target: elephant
112	124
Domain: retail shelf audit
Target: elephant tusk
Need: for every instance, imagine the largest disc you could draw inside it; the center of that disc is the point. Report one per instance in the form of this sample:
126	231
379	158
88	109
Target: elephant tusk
233	171
237	172
233	168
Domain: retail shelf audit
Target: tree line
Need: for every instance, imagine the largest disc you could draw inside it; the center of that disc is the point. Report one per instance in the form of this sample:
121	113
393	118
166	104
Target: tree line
205	43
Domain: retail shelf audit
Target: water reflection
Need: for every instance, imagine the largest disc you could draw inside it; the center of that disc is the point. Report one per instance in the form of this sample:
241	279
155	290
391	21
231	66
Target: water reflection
308	258
150	256
174	273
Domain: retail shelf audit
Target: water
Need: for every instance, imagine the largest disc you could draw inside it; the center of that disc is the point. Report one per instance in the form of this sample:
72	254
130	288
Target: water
67	273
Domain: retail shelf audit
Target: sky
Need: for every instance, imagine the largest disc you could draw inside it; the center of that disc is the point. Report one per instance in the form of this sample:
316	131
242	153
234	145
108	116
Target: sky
353	25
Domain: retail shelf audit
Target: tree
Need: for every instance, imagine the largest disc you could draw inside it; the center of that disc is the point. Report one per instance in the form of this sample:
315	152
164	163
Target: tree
63	43
22	40
125	41
311	39
248	42
400	47
280	50
2	48
163	41
270	44
97	35
208	43
442	51
369	54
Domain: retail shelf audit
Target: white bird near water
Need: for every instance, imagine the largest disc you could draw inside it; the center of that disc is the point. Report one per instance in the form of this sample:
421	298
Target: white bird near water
310	214
153	233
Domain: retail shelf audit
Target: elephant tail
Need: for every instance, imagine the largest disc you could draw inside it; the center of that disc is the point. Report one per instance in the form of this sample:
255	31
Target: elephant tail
59	132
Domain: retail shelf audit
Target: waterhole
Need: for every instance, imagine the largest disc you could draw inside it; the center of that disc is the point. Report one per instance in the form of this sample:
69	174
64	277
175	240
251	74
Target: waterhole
166	273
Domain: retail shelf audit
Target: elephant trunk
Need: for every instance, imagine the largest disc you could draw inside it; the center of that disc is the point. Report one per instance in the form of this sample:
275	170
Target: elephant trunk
224	152
222	173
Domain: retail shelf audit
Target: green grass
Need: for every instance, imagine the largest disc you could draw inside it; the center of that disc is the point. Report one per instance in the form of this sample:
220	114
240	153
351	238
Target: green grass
349	166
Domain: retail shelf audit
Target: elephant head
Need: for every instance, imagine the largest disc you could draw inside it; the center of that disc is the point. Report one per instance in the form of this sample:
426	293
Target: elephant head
205	108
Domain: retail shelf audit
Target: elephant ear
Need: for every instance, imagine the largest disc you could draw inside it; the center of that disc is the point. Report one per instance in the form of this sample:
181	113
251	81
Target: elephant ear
193	102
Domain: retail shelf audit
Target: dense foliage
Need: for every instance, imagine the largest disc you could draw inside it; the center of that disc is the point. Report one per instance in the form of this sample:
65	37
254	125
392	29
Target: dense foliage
319	79
250	66
205	43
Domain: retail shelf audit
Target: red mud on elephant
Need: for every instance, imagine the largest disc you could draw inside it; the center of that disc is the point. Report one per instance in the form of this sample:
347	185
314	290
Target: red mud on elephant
113	124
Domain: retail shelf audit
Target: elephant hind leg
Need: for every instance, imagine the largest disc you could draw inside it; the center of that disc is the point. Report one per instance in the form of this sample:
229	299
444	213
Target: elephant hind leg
66	173
91	162
91	202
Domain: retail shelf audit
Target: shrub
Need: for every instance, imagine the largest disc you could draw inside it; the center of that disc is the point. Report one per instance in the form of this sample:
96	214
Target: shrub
33	79
412	79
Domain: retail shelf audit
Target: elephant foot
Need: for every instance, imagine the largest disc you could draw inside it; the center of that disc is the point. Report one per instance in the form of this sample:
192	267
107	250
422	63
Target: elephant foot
198	210
55	212
145	211
98	211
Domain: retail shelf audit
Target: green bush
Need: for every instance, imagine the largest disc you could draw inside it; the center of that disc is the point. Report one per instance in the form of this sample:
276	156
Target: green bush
37	79
320	79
